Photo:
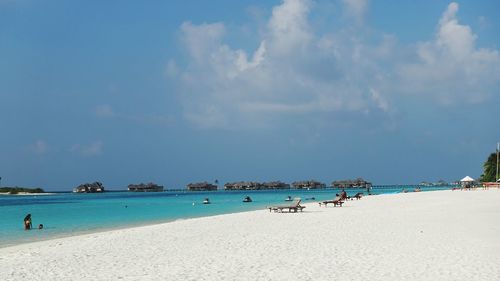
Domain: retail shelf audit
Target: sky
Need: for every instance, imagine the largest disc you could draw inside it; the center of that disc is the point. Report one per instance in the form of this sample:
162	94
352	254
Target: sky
174	92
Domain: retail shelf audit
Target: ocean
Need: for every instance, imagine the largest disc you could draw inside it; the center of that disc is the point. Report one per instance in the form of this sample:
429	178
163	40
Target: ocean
67	214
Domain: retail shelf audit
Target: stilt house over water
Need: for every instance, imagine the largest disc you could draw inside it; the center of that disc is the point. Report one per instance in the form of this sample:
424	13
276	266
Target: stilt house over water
357	183
89	188
276	185
150	187
308	184
243	185
201	186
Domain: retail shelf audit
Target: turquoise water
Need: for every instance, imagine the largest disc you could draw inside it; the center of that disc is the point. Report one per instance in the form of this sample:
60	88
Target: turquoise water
65	214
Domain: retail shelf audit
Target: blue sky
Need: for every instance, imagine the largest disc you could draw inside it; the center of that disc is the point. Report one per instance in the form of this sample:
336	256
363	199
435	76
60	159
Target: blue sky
182	91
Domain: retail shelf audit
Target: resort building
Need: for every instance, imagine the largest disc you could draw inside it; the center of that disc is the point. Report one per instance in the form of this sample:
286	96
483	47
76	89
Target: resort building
243	185
275	185
308	184
357	183
89	188
150	187
201	186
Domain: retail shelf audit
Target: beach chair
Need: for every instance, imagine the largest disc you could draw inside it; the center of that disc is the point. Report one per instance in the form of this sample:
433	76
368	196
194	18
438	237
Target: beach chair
357	196
293	207
336	202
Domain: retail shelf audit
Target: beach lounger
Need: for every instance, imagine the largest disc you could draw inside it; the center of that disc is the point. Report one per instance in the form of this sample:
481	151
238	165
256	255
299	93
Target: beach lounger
357	196
293	207
337	201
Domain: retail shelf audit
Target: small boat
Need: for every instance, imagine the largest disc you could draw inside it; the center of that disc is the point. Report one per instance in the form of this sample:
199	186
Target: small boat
206	201
288	198
247	199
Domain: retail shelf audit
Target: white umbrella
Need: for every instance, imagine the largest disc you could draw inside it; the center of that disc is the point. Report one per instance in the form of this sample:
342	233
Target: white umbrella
467	179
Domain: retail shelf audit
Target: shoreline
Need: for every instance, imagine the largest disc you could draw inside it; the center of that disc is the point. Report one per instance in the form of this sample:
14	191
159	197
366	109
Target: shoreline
108	229
15	242
446	235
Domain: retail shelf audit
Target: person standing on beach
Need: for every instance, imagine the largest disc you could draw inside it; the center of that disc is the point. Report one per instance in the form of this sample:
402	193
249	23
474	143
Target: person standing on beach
27	222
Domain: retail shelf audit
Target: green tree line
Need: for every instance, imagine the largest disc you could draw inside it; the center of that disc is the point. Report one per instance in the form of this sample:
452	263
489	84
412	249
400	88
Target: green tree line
16	190
490	169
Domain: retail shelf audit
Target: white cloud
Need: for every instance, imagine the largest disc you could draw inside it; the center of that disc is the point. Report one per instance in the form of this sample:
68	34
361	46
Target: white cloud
356	8
202	40
451	67
379	100
104	111
296	70
453	37
483	22
40	147
288	27
292	71
88	150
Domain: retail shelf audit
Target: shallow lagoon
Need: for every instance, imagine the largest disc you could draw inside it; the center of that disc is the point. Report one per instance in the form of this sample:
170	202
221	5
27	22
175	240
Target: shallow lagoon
64	214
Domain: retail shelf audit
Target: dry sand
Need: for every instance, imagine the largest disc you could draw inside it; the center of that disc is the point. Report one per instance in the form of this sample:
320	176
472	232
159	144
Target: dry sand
442	235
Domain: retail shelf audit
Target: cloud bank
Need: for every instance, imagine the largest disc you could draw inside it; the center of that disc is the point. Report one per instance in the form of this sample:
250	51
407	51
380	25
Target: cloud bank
296	70
451	68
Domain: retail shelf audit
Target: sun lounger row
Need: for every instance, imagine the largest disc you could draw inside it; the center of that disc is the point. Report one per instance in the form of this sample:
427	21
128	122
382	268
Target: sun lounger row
295	205
341	198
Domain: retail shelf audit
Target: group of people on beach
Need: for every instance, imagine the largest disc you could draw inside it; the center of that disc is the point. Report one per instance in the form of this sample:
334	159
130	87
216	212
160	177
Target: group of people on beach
415	190
28	223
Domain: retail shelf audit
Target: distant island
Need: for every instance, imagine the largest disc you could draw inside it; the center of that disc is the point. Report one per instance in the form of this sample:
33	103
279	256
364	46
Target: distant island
95	187
438	183
20	190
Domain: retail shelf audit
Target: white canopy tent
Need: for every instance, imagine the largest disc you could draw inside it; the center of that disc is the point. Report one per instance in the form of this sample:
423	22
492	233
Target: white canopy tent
467	179
467	182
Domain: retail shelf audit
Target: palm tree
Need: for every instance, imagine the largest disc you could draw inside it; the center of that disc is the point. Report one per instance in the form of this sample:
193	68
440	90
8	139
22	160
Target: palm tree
489	169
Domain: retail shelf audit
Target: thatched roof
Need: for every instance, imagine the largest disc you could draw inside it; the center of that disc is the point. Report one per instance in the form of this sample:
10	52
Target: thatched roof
308	184
199	186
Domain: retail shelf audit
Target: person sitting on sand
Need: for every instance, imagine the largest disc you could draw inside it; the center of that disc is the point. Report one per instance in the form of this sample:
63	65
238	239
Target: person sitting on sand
343	195
27	222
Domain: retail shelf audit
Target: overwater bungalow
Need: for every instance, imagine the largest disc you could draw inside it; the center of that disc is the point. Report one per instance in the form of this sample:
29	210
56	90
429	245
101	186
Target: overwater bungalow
308	184
243	185
89	188
357	183
275	185
150	187
201	186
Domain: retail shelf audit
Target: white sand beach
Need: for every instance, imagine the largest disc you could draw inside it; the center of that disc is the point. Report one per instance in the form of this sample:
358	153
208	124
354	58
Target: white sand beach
442	235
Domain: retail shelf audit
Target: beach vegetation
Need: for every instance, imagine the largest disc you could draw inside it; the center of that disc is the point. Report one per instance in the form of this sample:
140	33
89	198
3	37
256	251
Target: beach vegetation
489	169
17	190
